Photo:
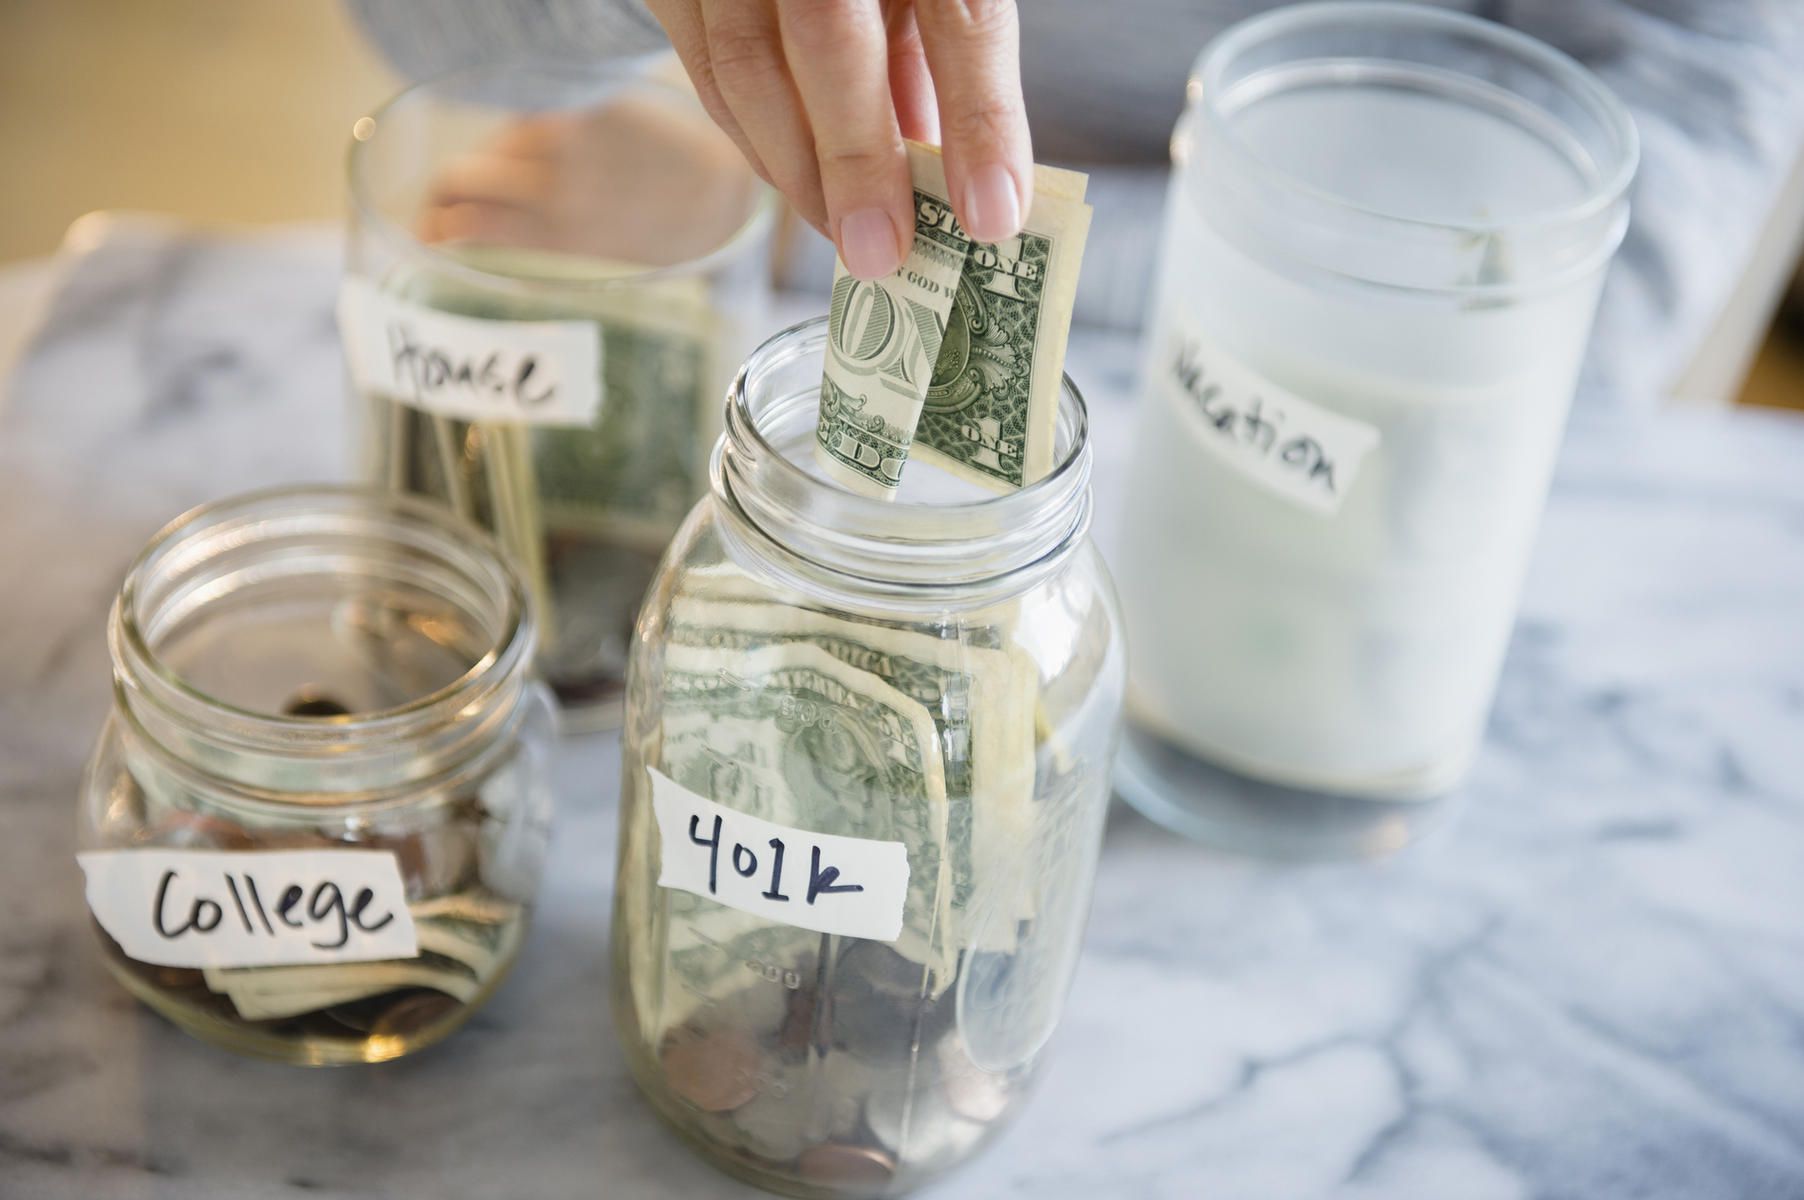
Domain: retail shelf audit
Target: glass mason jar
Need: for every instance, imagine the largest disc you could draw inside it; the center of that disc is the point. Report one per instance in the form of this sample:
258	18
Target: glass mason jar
318	693
864	772
553	272
1384	241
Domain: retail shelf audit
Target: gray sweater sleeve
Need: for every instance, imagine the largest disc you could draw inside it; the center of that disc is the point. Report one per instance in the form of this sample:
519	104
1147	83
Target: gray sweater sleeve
427	39
1716	87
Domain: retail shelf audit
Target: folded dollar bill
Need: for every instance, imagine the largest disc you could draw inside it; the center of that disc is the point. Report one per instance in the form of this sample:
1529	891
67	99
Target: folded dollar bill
464	940
883	338
959	354
991	409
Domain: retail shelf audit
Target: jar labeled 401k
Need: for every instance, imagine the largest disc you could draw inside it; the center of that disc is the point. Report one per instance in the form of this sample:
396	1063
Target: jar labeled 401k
315	822
864	772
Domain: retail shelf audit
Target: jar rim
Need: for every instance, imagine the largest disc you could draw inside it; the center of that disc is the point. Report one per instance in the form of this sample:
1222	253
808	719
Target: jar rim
577	74
136	659
1210	88
900	547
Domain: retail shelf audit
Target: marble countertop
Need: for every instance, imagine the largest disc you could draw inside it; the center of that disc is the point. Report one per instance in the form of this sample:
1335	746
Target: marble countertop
1591	985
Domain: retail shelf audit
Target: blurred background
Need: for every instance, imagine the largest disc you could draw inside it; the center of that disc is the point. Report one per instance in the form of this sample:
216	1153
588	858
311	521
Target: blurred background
240	113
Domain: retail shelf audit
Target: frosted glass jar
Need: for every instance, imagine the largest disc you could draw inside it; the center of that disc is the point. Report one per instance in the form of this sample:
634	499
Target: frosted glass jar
1384	241
865	766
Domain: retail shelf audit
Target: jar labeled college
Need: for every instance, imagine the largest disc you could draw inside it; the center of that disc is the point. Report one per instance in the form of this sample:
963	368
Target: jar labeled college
864	771
553	272
315	822
1384	241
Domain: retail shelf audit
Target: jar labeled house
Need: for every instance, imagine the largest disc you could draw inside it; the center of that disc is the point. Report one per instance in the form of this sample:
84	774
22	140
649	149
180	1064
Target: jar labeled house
553	270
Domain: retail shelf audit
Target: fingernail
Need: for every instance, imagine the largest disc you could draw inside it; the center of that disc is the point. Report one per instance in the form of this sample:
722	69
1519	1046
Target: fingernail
867	241
992	205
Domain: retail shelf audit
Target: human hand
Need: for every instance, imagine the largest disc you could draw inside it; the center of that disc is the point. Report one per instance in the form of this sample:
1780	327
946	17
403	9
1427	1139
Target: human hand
819	94
596	182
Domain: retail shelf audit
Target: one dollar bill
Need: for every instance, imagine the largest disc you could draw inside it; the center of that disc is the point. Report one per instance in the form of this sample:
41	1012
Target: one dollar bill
986	409
991	410
787	733
883	339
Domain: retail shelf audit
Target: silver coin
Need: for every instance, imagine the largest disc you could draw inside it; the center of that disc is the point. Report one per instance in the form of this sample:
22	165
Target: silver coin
919	1127
435	861
773	1126
877	969
882	1007
971	1091
843	1084
1008	1003
873	1030
758	1008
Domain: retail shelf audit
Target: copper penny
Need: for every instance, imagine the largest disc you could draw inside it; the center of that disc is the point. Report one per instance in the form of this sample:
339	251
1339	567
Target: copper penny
716	1072
840	1164
309	703
414	1014
178	978
178	830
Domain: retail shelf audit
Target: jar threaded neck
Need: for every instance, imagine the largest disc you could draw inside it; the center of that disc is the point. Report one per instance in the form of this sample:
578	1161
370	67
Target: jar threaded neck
206	625
931	551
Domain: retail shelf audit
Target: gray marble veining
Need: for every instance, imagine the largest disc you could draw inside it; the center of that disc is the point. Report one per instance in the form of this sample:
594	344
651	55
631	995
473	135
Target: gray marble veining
1591	985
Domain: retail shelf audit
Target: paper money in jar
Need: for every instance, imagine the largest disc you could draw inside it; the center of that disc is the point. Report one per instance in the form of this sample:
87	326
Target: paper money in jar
959	355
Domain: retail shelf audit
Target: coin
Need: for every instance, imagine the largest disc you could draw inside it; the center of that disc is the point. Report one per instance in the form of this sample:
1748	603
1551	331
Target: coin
882	1030
882	1007
797	1029
917	1125
758	1007
435	861
1007	1006
972	1091
411	1015
843	1083
771	1126
838	1164
178	830
309	703
178	978
715	1071
354	1017
882	971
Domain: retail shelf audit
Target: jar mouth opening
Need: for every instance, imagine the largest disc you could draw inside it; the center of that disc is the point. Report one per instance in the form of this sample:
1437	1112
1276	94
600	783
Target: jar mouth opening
976	535
560	85
248	794
1595	136
170	572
